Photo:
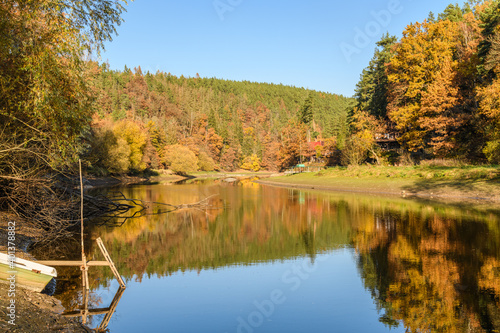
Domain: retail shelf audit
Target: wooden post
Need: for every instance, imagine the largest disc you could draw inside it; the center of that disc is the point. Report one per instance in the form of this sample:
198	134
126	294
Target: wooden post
85	275
85	311
81	209
84	266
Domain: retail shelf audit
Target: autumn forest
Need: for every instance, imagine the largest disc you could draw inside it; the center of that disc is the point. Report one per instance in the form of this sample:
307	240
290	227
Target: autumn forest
156	121
437	87
435	90
428	95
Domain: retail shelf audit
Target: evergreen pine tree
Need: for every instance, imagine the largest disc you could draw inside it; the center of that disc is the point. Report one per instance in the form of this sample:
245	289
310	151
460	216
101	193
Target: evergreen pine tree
306	112
371	90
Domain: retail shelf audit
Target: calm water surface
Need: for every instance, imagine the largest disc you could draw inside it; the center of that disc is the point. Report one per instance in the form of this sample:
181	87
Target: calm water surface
279	260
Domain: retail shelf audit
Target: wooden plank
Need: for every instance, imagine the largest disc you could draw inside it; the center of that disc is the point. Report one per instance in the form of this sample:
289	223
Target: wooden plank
97	263
112	308
110	261
72	263
93	312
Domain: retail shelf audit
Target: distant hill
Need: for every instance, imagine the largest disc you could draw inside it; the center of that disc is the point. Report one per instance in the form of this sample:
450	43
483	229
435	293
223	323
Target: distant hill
229	121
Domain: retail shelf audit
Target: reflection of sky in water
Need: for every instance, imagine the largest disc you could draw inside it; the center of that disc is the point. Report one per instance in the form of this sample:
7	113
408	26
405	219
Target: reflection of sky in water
331	298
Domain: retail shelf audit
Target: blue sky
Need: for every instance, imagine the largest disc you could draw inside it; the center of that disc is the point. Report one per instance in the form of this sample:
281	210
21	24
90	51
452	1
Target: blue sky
316	44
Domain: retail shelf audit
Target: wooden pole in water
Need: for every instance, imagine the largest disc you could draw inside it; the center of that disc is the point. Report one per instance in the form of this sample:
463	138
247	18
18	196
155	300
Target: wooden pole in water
85	272
84	268
81	209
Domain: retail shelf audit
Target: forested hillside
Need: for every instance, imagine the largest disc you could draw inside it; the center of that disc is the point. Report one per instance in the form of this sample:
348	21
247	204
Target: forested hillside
438	87
146	120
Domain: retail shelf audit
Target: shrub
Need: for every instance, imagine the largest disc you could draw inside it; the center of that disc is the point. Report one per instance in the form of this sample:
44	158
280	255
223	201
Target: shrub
492	151
405	159
205	162
251	163
354	152
136	138
108	151
118	157
181	159
442	162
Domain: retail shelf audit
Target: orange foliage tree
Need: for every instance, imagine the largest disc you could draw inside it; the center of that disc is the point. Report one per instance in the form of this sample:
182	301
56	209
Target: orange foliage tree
293	144
423	91
489	100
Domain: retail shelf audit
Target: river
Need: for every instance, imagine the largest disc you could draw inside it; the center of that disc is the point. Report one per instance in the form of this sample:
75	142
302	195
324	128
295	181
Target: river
267	259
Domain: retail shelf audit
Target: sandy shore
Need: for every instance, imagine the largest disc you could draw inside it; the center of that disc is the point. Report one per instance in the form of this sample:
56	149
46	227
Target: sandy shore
482	191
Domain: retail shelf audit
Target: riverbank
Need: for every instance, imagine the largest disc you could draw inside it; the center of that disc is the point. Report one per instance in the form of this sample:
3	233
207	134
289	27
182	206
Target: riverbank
430	181
165	176
35	312
458	183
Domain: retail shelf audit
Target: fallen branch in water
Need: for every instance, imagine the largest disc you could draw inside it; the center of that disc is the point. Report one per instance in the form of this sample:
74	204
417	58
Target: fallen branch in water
201	203
149	208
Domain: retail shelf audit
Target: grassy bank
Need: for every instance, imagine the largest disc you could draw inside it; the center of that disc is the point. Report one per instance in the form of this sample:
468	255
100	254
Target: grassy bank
469	182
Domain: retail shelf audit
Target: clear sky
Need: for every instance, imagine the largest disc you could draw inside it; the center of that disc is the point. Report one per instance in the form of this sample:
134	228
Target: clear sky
317	44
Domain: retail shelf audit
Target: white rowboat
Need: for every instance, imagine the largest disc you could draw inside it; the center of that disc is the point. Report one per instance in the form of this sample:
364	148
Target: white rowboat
26	274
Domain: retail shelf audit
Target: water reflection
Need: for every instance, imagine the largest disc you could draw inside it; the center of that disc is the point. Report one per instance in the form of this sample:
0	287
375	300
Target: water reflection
429	268
434	272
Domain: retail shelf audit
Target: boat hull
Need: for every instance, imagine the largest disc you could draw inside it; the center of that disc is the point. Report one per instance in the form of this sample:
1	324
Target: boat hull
27	274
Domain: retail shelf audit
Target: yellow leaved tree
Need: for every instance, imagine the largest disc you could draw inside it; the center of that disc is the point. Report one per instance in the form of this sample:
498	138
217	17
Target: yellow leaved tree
423	91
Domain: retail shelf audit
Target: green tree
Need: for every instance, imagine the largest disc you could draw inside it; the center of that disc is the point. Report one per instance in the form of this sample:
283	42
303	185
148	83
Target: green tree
371	90
452	12
489	101
431	18
306	114
490	18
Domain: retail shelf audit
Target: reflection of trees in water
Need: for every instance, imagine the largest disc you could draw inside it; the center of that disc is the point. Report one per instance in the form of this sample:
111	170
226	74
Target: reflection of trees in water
309	236
261	224
433	267
435	273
